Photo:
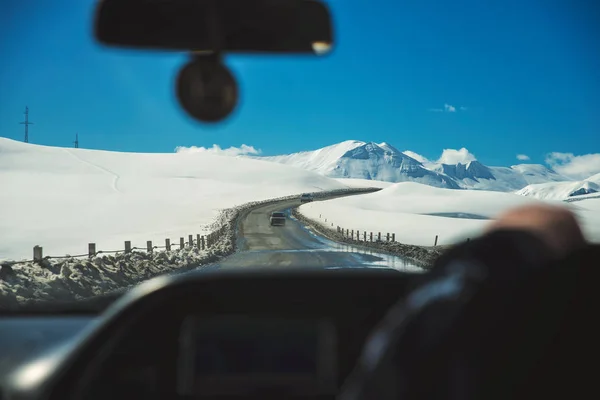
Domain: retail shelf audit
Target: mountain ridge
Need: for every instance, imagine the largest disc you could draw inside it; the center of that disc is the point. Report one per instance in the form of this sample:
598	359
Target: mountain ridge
384	162
364	160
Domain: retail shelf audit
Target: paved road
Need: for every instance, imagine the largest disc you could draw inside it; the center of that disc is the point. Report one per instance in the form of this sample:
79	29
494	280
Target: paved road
293	245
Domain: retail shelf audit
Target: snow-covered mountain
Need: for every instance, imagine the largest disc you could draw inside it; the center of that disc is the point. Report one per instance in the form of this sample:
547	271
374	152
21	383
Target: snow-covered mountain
594	178
365	160
475	175
383	162
560	190
537	173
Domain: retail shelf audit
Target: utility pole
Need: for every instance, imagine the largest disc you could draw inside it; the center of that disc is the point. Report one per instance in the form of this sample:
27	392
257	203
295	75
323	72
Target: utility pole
26	123
76	141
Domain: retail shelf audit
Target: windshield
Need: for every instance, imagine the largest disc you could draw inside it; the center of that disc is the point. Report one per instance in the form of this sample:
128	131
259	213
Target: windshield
422	123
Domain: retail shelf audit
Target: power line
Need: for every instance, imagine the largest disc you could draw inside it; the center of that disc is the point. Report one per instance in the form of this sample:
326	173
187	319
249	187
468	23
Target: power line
76	142
26	123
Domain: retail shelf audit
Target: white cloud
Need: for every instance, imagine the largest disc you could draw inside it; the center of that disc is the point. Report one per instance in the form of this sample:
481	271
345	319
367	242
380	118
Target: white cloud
577	167
522	157
452	156
448	108
216	149
416	156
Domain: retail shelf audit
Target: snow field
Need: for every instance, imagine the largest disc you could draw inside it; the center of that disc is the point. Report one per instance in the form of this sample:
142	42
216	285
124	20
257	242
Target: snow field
416	213
62	199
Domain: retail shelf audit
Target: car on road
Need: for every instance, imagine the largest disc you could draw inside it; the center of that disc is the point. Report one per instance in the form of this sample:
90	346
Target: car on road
277	219
306	198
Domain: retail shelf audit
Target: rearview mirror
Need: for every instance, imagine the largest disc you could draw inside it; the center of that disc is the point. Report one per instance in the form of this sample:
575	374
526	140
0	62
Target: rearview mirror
205	88
231	26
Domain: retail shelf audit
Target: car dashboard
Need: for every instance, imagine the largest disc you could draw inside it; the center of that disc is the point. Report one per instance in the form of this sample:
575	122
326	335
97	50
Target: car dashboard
222	335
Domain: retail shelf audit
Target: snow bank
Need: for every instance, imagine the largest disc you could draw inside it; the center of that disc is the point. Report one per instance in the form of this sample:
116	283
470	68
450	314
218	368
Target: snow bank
421	256
62	198
416	213
70	279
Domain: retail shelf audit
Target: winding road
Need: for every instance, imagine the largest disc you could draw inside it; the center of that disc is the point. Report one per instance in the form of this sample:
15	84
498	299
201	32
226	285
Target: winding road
261	245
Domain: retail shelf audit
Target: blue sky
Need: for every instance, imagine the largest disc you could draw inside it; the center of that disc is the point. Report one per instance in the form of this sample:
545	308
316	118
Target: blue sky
524	72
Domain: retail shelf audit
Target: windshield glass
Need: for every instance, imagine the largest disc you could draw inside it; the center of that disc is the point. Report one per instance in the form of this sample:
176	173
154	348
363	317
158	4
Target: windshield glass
419	124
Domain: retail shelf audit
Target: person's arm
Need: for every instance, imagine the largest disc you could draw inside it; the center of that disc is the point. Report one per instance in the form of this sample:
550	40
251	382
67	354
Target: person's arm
527	236
441	340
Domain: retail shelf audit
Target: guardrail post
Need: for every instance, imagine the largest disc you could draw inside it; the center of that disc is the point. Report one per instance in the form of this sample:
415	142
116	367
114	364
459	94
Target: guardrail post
352	235
168	244
91	250
202	241
393	237
128	246
371	236
191	240
198	241
149	246
37	253
379	237
364	236
181	243
387	237
435	243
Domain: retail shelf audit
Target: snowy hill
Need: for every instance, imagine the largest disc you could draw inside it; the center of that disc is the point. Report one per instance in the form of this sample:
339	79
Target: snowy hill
365	160
383	162
63	198
594	178
560	190
417	213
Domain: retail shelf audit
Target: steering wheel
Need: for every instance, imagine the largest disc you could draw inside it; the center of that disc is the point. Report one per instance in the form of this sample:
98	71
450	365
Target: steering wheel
407	332
471	331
